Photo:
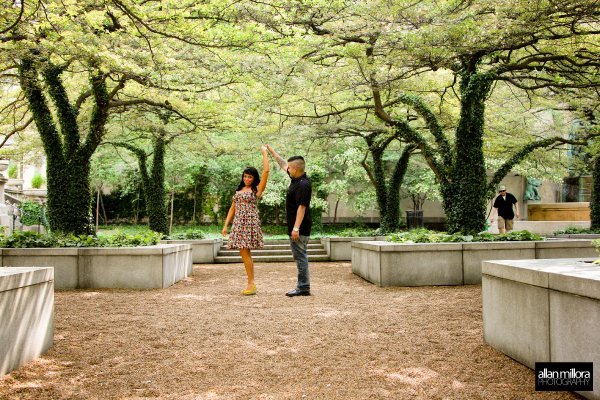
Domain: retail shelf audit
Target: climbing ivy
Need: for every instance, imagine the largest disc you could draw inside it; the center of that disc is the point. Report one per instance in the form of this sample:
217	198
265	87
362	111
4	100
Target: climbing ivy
387	190
68	160
153	180
466	192
595	199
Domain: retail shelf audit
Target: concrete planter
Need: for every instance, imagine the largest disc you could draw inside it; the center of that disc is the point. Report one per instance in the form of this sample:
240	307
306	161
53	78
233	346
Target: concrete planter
563	249
204	251
590	236
543	310
475	253
546	227
400	264
27	315
340	248
395	264
149	267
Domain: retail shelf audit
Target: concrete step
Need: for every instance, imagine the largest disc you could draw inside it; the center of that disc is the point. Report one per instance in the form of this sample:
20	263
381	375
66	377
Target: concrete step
268	259
279	247
273	251
281	241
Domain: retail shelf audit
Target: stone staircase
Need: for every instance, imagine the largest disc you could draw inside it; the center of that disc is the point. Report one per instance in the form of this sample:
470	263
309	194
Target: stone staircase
274	251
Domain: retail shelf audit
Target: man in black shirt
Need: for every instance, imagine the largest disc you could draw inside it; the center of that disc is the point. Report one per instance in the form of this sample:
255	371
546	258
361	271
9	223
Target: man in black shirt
299	222
503	207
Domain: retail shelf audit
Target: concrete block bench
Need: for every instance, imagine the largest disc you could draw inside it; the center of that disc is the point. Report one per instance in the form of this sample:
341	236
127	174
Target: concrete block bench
26	315
204	251
145	267
543	310
420	264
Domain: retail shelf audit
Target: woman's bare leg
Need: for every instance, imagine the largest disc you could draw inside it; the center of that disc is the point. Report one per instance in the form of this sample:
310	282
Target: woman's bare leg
249	264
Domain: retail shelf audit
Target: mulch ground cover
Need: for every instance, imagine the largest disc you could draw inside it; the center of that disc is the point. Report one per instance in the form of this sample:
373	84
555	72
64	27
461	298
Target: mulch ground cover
201	339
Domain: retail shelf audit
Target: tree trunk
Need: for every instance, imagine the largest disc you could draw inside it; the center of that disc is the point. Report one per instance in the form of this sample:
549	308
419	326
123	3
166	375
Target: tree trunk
194	208
392	216
68	169
464	197
380	190
156	196
388	194
595	198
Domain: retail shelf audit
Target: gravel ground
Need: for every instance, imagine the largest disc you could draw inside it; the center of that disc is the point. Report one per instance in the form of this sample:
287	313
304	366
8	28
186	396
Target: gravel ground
200	339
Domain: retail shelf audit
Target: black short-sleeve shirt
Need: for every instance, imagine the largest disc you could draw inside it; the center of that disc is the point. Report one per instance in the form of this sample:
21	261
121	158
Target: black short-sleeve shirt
505	206
298	194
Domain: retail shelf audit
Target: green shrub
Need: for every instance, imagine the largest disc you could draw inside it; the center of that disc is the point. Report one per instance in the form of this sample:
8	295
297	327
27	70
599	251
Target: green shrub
596	244
12	171
357	232
187	235
427	236
574	230
29	239
32	213
37	181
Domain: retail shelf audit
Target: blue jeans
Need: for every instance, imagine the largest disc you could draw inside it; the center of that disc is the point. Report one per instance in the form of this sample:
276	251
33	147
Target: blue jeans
299	250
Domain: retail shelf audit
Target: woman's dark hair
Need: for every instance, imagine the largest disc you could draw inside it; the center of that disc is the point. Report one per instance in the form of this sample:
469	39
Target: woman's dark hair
250	171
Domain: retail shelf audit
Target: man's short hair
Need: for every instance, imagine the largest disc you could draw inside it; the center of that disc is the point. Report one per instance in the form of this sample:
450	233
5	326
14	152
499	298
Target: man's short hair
298	162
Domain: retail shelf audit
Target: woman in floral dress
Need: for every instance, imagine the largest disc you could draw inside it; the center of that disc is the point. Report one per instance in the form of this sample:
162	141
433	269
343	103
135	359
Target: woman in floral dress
245	230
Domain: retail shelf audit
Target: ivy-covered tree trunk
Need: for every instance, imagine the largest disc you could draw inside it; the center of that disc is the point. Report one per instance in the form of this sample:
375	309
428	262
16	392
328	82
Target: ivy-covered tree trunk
156	205
153	182
388	194
595	198
378	178
68	160
464	196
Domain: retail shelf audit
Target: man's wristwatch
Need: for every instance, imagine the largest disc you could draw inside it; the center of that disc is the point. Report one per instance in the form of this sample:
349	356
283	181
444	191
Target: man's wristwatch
296	229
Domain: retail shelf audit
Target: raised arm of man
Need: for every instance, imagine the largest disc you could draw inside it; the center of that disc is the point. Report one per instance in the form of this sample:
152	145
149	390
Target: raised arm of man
282	163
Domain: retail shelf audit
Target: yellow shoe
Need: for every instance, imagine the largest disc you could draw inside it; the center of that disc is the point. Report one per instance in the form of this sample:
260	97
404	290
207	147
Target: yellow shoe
249	292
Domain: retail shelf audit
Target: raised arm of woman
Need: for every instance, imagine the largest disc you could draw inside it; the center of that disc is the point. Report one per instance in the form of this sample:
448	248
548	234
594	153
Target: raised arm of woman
265	176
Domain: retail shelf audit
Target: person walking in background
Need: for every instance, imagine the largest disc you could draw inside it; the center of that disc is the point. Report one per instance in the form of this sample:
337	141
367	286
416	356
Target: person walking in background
299	222
246	233
503	208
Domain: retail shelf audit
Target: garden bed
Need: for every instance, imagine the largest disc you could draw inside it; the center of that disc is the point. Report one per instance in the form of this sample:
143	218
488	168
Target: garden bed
419	264
147	267
543	310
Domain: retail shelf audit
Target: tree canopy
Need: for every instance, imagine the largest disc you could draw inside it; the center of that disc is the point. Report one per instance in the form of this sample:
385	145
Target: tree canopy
461	84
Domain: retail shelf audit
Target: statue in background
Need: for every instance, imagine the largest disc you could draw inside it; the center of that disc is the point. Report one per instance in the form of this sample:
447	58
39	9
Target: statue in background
532	192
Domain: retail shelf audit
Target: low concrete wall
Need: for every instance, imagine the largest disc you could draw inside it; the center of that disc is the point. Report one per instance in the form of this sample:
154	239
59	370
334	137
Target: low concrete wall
575	248
591	236
543	310
401	264
544	227
395	264
340	248
475	253
27	315
64	260
149	267
204	251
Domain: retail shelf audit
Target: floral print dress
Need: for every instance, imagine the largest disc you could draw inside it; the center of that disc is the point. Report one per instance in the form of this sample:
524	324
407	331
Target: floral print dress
245	230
